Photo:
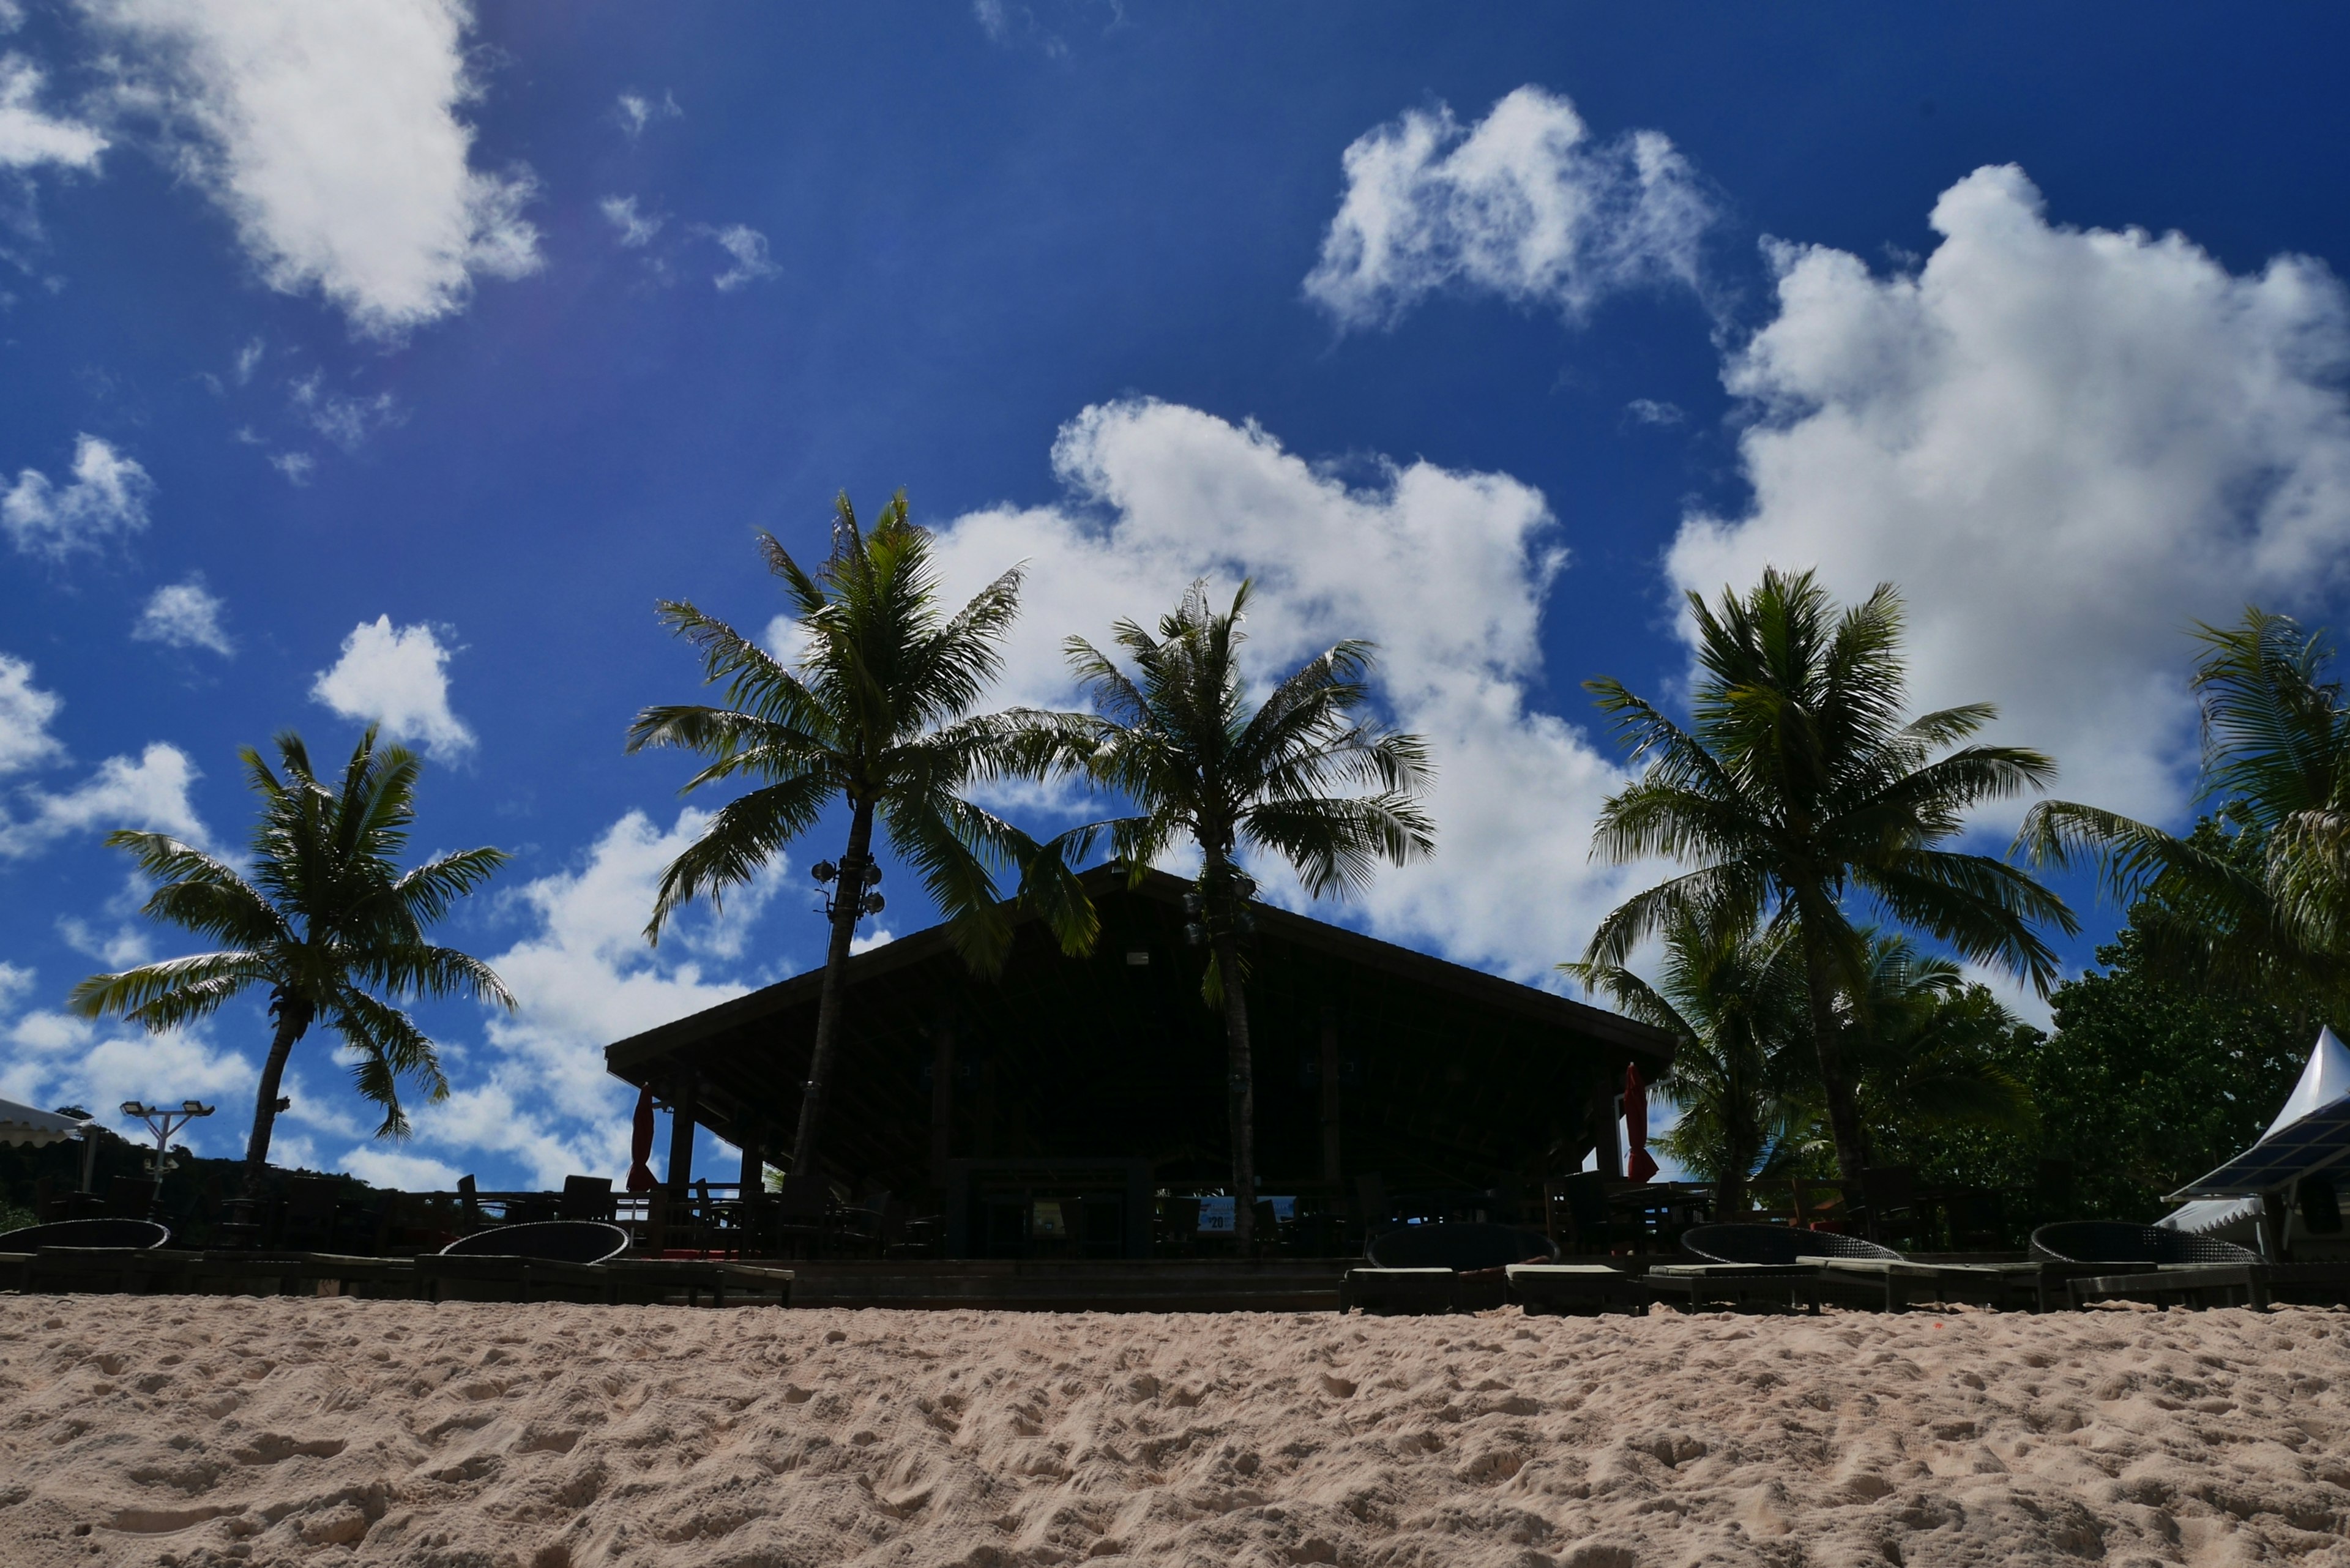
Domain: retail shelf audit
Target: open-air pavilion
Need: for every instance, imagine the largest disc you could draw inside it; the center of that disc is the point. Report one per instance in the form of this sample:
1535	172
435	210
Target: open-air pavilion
1045	1109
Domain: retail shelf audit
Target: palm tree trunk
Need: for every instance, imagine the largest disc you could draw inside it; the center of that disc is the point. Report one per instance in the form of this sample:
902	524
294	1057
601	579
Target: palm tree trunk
293	1019
854	863
1240	1095
1844	1108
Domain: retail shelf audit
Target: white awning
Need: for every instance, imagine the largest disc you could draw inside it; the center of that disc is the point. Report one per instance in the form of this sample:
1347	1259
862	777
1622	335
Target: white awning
2210	1216
25	1127
2311	1133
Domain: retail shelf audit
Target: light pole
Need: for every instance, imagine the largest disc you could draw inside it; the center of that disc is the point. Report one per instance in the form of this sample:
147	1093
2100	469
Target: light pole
163	1121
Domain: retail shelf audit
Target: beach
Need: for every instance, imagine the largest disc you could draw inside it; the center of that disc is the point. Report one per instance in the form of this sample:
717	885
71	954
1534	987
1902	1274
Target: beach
193	1431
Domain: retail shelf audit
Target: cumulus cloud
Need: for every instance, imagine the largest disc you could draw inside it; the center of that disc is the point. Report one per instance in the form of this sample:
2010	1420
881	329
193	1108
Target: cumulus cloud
396	677
1525	204
25	713
748	247
333	137
581	980
1448	571
105	497
635	229
184	615
56	1058
2063	444
150	792
29	138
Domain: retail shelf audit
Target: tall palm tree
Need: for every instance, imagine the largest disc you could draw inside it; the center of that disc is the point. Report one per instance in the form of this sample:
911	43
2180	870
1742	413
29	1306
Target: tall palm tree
1798	784
2260	900
325	920
1732	999
1179	741
876	715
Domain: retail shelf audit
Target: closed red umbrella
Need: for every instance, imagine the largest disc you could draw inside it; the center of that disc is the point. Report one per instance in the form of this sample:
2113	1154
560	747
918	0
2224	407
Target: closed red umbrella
641	1145
1638	1166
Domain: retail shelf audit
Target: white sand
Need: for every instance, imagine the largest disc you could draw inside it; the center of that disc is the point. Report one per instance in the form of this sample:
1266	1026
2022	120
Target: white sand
208	1432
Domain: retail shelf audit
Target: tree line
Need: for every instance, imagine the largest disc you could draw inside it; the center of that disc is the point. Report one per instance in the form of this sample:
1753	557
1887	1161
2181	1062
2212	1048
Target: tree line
1813	820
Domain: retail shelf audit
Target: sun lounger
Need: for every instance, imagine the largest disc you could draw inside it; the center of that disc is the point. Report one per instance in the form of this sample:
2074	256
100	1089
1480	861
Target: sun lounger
445	1277
2253	1285
1576	1288
1891	1285
689	1282
303	1275
108	1271
1398	1293
1778	1287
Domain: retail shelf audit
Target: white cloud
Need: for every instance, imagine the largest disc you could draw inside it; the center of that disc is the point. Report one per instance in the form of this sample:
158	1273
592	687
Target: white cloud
583	979
748	247
1653	411
1447	571
387	1164
184	615
332	137
297	466
151	792
125	947
248	359
992	19
25	713
396	677
29	138
635	111
635	229
1524	203
342	419
865	941
55	1059
2064	445
16	980
107	497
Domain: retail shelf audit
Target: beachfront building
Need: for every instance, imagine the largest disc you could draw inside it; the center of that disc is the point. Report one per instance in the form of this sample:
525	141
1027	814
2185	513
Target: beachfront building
1070	1105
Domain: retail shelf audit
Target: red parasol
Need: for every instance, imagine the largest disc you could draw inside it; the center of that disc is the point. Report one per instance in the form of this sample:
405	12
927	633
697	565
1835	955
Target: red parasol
1639	1166
641	1145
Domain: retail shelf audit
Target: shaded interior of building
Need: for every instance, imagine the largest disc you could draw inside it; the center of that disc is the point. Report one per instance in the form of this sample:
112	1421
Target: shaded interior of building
1370	1060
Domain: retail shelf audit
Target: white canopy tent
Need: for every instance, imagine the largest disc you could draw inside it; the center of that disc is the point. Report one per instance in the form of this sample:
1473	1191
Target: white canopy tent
30	1128
2309	1135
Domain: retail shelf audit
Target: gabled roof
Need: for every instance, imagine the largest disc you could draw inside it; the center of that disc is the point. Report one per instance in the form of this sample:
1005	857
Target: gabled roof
1470	985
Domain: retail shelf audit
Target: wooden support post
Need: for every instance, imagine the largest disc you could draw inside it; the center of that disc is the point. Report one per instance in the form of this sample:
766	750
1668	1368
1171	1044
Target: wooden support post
942	1064
1604	1112
1330	1153
684	1105
755	1157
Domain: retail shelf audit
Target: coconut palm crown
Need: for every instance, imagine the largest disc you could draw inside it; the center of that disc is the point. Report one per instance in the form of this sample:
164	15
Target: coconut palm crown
876	715
2261	902
323	921
1180	743
1798	784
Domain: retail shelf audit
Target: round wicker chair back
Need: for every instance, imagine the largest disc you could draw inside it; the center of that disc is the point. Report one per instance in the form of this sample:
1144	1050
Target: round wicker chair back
127	1235
550	1241
1461	1245
1775	1244
2118	1242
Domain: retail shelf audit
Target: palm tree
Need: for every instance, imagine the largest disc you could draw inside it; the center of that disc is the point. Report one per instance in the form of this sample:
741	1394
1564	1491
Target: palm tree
1732	999
2258	900
1798	784
326	920
876	715
1179	741
1920	1041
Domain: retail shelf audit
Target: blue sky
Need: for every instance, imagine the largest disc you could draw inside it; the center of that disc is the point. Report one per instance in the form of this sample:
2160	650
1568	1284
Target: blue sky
387	361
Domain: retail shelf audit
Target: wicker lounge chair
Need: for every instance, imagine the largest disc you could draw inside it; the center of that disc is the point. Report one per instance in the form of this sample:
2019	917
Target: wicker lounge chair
108	1234
1848	1269
2149	1263
1455	1267
546	1260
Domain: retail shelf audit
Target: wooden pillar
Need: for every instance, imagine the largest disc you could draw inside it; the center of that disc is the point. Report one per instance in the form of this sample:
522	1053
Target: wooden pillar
943	1062
684	1104
1330	1154
754	1156
1603	1129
